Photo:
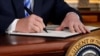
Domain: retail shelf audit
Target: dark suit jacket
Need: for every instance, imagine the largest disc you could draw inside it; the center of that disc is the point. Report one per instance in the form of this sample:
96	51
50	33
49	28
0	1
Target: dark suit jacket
49	10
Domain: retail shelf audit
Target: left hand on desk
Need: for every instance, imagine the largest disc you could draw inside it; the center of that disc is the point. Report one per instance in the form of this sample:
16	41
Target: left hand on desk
74	24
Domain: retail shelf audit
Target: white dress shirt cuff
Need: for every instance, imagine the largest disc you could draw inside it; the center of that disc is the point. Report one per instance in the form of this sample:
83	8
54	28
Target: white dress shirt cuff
12	27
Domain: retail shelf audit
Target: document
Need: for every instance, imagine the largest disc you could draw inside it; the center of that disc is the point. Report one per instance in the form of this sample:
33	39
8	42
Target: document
52	33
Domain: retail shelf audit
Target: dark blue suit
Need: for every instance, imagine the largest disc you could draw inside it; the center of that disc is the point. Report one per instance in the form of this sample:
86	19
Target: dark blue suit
49	10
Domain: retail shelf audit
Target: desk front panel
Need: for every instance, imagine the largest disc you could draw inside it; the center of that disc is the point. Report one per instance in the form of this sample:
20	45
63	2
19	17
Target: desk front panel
27	45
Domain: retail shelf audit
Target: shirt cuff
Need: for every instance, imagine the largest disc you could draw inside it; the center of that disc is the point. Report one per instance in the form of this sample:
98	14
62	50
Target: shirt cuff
12	26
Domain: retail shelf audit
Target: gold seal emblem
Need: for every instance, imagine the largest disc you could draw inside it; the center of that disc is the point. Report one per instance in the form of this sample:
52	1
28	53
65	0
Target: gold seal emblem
88	46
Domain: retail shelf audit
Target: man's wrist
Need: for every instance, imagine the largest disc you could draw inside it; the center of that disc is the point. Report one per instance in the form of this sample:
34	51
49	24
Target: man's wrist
73	13
12	26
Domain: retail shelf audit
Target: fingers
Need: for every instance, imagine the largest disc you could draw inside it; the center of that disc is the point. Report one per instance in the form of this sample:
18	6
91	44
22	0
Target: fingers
31	23
79	28
74	27
37	24
71	28
60	28
84	30
40	20
35	29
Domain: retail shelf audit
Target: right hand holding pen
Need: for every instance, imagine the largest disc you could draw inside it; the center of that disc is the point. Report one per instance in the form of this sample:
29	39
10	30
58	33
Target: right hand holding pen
32	23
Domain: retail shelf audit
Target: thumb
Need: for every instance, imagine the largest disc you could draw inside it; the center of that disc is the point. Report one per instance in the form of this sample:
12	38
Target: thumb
60	28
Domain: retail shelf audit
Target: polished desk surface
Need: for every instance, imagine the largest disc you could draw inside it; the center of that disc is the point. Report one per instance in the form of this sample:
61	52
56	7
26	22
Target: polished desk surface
11	45
95	12
90	11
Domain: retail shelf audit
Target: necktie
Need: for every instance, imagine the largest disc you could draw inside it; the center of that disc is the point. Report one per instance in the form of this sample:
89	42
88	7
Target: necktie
28	5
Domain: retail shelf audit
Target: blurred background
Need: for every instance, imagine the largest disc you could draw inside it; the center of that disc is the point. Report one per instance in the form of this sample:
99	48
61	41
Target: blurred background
84	4
90	9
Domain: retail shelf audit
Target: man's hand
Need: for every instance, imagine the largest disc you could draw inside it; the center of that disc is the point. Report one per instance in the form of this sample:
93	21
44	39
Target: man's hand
74	24
31	23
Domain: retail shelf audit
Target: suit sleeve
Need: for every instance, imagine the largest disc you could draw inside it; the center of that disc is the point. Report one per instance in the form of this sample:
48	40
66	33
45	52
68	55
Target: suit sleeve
5	21
62	9
6	15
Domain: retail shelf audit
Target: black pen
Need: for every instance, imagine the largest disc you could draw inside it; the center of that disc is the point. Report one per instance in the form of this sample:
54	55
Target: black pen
30	12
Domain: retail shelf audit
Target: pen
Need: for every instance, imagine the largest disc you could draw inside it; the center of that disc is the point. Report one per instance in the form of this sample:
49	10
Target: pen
30	12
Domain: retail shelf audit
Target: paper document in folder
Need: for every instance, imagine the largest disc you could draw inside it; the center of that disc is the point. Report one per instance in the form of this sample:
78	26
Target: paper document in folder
51	33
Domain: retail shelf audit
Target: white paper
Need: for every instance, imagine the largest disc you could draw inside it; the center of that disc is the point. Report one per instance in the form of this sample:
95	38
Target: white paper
52	33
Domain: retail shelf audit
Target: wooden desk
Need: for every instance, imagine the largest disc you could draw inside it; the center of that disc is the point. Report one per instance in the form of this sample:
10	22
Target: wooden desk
37	46
90	16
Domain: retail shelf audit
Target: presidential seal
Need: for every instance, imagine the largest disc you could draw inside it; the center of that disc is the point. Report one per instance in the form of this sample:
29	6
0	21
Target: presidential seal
88	46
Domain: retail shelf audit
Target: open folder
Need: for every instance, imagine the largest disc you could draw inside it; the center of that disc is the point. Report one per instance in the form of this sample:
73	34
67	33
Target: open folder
52	33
